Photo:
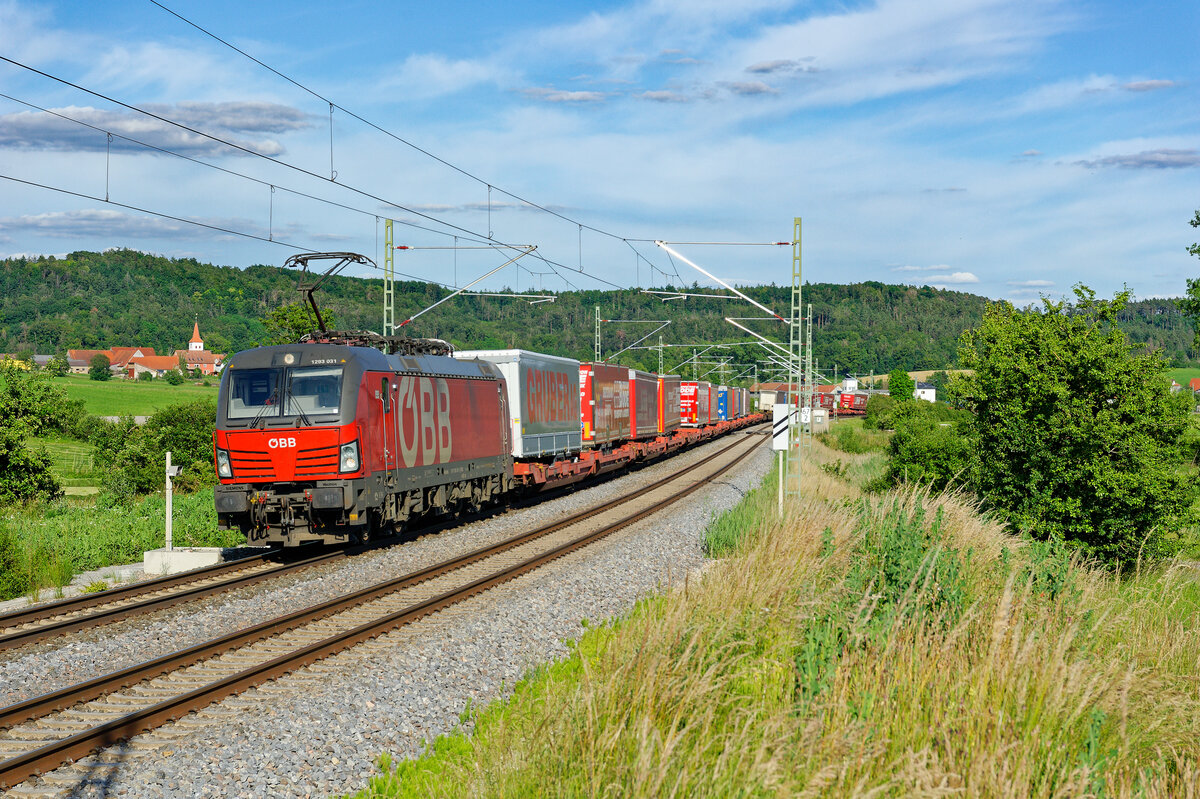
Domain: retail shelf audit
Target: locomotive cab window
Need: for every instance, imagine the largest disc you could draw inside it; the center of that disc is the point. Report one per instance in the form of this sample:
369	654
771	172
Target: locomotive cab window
314	390
253	392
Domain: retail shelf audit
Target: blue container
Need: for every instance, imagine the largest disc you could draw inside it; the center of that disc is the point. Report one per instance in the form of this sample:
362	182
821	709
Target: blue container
724	404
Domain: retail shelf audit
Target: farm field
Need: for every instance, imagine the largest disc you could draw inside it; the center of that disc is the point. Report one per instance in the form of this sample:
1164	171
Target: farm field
71	461
132	397
1182	376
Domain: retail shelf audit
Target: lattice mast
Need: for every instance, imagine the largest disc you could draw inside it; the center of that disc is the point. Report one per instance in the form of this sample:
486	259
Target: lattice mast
597	334
795	449
810	386
389	280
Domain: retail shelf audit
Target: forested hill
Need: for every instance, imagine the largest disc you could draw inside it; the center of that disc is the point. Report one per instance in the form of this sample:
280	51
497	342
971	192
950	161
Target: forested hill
124	297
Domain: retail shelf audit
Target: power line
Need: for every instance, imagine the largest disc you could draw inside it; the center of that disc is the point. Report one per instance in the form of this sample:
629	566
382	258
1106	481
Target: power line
235	173
247	150
390	134
184	220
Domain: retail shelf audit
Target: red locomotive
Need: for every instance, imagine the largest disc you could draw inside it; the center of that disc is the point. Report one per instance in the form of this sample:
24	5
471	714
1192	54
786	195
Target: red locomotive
326	441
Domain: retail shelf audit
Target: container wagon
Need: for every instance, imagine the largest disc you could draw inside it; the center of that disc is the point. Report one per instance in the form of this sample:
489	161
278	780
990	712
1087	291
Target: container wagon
603	404
643	403
724	404
543	401
669	388
694	403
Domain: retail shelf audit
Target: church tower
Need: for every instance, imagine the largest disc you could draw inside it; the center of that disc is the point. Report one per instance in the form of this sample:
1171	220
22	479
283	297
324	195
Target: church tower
197	343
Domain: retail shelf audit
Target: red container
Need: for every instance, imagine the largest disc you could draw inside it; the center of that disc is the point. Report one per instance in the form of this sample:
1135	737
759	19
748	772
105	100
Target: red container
603	403
643	402
669	398
706	403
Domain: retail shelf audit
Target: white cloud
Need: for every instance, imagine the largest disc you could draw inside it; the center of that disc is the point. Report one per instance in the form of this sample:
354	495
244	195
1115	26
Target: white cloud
749	88
66	129
954	278
426	75
1148	85
1162	158
663	96
1031	283
552	95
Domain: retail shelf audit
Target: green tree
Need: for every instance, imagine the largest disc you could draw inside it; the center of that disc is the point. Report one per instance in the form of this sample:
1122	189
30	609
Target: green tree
98	370
134	455
58	366
24	473
900	385
287	323
36	403
173	378
1190	304
1078	437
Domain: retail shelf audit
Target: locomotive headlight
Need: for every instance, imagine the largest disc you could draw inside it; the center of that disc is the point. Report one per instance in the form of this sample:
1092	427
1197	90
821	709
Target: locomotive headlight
349	457
223	467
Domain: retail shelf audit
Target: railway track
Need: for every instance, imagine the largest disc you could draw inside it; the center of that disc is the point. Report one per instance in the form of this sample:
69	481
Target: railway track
39	622
48	620
47	731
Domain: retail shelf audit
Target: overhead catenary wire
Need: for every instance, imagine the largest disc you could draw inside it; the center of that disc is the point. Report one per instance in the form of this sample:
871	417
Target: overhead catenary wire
248	150
406	142
233	172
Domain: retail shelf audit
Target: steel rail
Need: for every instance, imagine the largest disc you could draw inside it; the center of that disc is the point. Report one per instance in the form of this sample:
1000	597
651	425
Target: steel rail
21	767
108	615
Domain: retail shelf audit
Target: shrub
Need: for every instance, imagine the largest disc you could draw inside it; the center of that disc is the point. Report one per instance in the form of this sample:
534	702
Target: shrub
24	474
135	455
174	378
34	401
1078	438
926	451
98	370
146	377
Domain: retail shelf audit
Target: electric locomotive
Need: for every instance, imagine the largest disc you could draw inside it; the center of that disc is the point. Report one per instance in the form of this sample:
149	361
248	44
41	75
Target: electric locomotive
328	440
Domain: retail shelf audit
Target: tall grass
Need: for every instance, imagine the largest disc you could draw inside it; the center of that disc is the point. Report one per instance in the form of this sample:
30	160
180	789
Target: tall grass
892	645
44	546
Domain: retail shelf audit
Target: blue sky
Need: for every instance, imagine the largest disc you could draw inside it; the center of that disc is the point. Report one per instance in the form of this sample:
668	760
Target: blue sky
1009	149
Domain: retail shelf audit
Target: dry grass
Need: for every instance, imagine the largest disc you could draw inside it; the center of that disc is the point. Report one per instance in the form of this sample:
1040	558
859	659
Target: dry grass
897	646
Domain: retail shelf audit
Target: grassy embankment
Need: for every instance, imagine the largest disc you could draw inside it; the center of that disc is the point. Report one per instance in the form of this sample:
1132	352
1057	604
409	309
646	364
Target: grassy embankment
43	546
51	543
889	645
132	397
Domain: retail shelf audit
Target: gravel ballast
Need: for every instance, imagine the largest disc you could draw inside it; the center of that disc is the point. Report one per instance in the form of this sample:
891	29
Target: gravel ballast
319	731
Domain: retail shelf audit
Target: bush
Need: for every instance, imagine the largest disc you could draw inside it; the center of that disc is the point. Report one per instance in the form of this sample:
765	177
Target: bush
926	451
36	403
135	456
174	378
879	412
146	377
24	474
1078	436
98	370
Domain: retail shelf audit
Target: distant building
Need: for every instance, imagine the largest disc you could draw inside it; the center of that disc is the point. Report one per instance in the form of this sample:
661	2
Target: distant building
157	365
197	357
925	391
79	361
1194	384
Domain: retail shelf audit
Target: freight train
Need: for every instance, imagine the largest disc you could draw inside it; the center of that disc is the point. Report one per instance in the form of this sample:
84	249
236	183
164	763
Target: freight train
330	440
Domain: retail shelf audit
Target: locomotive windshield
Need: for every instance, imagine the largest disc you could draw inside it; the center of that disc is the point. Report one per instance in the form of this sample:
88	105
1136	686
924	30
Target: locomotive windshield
301	391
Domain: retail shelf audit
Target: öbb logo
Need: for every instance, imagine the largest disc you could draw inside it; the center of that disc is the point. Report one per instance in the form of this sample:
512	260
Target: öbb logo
281	443
424	423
